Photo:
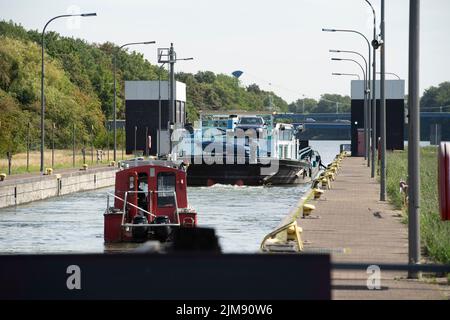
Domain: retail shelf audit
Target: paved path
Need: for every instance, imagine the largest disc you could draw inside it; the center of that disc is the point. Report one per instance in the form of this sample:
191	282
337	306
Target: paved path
356	227
22	176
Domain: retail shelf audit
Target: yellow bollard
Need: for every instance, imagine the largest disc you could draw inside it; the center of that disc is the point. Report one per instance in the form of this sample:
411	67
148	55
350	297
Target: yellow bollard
2	176
48	171
315	183
112	164
307	209
330	176
326	183
284	239
84	167
317	193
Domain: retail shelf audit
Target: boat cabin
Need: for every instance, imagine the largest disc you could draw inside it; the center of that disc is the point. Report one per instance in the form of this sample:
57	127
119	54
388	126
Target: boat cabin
148	196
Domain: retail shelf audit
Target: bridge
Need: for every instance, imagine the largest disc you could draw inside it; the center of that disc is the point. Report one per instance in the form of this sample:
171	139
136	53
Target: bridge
336	126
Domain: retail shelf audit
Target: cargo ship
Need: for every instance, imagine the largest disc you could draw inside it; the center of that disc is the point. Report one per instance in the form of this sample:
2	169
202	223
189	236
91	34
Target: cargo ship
248	150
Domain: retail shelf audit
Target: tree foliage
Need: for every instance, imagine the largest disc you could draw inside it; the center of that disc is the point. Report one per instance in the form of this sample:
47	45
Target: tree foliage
328	103
436	99
79	88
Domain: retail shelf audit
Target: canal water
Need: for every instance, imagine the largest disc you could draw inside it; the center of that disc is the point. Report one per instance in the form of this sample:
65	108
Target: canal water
241	215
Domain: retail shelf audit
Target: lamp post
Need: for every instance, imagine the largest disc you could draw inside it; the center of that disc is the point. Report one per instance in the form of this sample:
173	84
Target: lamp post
346	74
365	80
370	92
303	104
391	74
115	92
159	108
159	100
374	98
382	108
366	103
414	137
42	79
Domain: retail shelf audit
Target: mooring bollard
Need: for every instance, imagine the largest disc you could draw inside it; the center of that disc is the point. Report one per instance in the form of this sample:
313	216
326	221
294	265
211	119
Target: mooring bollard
317	193
307	209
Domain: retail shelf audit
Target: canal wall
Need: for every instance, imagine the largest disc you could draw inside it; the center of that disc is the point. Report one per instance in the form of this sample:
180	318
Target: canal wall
15	191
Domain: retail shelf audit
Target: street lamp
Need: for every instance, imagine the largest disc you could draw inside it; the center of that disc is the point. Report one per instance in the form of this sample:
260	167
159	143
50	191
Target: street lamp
352	52
368	76
346	74
115	90
352	60
366	103
365	90
42	79
391	74
375	45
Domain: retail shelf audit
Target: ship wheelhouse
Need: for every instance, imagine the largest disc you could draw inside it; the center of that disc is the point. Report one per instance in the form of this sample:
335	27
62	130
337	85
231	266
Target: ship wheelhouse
147	197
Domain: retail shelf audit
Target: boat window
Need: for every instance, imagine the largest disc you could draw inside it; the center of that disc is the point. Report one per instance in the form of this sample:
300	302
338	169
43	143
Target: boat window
166	189
286	135
249	120
143	191
131	183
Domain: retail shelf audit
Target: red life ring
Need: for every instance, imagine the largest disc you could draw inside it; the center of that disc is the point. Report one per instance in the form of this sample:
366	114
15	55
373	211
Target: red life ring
444	180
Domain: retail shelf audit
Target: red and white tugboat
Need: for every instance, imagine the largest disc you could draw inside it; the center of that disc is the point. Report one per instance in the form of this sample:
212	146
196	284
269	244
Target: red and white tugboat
150	201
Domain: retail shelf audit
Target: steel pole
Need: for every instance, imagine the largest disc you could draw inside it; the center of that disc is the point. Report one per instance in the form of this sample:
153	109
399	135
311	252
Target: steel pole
135	132
374	99
383	108
159	109
28	146
414	138
73	145
369	114
159	113
53	145
172	61
42	101
115	111
42	80
172	83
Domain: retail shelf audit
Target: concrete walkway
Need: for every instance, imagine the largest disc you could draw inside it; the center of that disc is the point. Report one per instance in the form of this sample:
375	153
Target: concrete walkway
31	175
356	227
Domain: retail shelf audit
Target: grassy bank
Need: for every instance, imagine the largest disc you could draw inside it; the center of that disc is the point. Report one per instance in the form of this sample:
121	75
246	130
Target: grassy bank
62	159
435	234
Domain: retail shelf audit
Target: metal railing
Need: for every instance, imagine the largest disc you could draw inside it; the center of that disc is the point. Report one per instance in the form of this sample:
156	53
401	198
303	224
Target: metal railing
304	152
126	202
429	268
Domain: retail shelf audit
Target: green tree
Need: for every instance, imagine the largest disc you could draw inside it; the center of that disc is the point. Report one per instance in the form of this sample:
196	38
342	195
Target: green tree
332	103
436	98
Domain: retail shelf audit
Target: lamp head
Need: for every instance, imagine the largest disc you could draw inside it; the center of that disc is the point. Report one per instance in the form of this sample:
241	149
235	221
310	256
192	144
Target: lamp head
92	14
376	43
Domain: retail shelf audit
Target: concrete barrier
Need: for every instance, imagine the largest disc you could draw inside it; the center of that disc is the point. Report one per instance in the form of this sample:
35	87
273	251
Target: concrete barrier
18	191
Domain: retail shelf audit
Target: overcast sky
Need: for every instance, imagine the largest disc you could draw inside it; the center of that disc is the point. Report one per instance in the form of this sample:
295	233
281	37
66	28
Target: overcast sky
278	44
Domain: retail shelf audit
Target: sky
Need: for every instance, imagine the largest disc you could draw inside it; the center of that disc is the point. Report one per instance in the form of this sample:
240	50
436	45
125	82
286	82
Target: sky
277	44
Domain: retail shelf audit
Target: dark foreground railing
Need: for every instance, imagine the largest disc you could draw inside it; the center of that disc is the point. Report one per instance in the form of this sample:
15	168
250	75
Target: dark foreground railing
177	276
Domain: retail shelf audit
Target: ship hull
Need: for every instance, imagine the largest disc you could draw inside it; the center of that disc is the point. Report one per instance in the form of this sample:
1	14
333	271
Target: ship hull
277	172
